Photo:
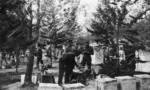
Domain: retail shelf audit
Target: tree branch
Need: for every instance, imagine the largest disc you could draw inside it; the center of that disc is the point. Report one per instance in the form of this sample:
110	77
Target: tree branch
135	19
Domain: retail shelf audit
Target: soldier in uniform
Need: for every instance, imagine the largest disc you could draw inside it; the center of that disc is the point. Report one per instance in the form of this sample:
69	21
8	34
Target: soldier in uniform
87	52
39	57
3	57
67	62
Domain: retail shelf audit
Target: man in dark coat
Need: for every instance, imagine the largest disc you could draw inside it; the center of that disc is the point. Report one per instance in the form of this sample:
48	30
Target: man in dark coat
39	57
67	63
87	52
4	57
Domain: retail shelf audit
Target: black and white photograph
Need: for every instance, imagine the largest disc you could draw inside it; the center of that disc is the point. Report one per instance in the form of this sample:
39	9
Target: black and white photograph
74	44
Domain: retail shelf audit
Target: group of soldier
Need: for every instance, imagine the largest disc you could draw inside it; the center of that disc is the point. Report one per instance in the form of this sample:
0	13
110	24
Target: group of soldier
67	61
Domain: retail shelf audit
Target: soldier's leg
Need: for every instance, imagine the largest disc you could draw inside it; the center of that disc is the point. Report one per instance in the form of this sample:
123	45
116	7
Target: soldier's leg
5	61
1	62
83	61
41	61
68	74
37	63
61	73
89	63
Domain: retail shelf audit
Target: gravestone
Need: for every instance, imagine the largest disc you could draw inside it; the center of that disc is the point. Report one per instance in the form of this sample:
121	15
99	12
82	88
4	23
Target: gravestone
33	79
143	67
126	83
106	84
49	86
75	86
144	81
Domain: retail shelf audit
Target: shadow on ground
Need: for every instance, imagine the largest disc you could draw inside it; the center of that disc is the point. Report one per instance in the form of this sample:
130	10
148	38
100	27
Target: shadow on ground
9	78
11	81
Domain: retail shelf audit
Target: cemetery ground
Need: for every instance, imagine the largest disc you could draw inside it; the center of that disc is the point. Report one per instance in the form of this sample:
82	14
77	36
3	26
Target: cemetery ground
10	80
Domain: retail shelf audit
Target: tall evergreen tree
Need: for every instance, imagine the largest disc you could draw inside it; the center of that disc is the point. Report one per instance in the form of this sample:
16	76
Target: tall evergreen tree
13	30
59	22
109	27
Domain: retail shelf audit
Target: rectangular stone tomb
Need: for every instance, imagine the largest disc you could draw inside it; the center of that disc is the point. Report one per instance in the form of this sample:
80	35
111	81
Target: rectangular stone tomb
106	84
126	83
34	79
49	86
52	71
74	86
48	78
143	67
144	81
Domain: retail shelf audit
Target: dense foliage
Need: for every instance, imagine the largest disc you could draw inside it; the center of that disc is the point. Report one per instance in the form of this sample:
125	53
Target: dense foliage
58	21
109	27
13	25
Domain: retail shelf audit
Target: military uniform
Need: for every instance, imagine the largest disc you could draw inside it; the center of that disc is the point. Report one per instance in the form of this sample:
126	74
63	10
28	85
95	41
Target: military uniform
39	57
87	52
66	64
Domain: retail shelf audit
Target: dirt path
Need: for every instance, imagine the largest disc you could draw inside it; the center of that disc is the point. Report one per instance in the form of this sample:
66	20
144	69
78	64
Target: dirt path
22	67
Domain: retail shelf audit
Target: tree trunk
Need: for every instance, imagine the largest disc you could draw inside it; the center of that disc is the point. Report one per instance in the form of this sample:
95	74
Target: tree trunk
30	63
51	61
51	56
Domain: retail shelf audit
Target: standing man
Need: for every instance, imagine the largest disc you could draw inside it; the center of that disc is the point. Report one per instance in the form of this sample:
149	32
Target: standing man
39	56
87	52
106	55
121	54
4	57
1	58
137	55
49	55
67	63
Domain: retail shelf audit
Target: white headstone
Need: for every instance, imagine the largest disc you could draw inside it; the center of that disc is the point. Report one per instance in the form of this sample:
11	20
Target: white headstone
22	79
143	67
33	79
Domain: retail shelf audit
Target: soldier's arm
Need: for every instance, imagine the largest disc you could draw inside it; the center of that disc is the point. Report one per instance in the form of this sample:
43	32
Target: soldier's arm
65	50
75	63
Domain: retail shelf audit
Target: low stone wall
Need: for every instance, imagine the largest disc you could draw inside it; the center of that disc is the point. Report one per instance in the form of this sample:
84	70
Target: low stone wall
49	86
75	86
137	82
